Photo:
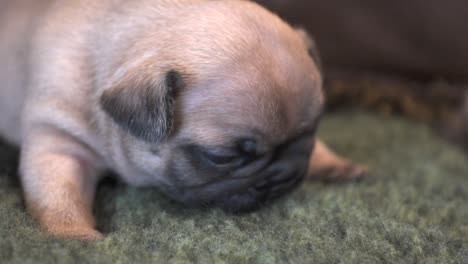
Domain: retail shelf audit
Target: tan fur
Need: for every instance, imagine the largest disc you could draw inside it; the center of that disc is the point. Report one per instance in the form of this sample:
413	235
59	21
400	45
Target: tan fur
328	166
243	69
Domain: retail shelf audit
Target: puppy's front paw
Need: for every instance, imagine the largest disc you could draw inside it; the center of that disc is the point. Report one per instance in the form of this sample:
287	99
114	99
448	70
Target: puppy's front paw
78	232
59	189
340	173
325	165
70	224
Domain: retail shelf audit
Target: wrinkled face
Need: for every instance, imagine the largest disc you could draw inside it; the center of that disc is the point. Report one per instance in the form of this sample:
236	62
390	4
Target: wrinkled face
240	174
243	123
237	144
244	148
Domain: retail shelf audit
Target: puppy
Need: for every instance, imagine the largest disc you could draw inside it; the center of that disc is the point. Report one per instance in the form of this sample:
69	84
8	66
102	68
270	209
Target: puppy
214	102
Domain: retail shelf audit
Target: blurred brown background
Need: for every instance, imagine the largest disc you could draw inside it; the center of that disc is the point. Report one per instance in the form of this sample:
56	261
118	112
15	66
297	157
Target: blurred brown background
401	57
421	38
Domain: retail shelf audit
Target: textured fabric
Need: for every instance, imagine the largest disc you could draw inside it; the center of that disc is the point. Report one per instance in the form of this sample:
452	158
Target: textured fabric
413	209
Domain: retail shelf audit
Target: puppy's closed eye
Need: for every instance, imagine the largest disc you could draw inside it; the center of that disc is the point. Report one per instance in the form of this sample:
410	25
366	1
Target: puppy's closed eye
244	152
220	157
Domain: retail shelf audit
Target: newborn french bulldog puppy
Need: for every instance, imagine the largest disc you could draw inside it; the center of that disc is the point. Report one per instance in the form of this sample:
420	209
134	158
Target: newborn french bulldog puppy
214	102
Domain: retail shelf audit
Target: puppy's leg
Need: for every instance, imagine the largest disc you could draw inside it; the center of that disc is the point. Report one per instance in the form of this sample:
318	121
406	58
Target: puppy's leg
59	180
326	165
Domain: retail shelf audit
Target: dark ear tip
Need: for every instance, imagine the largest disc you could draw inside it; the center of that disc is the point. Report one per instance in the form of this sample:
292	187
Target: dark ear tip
174	82
144	109
107	100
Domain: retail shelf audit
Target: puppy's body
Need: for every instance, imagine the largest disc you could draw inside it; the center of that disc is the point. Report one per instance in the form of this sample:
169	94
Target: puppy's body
215	102
16	20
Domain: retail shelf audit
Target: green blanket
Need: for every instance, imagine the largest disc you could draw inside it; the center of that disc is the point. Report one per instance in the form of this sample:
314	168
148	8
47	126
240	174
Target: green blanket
414	208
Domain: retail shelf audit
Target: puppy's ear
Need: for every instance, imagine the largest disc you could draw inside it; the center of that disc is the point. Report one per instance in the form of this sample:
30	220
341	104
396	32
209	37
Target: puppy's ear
312	46
144	108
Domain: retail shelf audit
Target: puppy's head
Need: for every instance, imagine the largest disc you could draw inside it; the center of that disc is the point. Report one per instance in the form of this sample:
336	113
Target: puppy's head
219	109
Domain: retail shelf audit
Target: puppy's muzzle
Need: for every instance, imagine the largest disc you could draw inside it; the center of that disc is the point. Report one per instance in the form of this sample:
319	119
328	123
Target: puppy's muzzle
280	180
286	172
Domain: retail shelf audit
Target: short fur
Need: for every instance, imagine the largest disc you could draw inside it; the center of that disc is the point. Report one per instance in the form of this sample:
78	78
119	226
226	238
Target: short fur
141	87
